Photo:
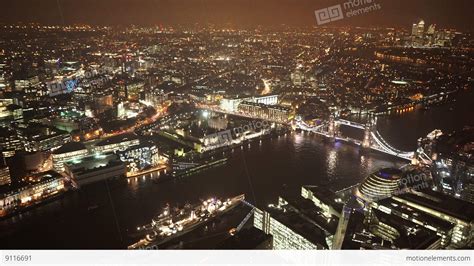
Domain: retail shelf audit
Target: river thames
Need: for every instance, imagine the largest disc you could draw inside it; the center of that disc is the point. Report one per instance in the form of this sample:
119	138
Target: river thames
261	171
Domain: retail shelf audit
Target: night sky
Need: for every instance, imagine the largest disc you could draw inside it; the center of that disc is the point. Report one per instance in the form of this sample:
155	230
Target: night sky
232	13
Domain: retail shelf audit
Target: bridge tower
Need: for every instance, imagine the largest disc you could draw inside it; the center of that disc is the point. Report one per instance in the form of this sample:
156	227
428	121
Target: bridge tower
333	130
417	156
369	127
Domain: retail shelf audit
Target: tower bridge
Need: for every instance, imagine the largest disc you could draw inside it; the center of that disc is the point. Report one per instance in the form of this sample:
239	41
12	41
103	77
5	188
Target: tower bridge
372	138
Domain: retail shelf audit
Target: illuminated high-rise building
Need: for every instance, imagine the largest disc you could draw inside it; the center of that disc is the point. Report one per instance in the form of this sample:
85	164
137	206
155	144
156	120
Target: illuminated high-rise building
290	230
418	33
453	164
420	29
431	29
414	29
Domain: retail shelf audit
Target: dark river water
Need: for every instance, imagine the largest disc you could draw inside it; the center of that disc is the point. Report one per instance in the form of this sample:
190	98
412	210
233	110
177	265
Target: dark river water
261	171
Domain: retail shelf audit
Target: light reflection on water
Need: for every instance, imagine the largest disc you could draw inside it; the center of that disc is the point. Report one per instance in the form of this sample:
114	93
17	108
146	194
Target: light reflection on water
332	162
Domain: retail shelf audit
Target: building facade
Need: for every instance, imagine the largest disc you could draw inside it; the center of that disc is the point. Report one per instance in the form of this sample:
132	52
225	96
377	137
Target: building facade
283	236
5	175
68	152
45	185
266	112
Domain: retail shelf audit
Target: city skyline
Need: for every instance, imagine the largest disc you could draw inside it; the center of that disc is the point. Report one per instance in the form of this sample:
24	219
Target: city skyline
232	14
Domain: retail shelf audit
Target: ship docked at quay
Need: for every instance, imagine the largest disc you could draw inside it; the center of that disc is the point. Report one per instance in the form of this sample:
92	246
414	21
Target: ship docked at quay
172	223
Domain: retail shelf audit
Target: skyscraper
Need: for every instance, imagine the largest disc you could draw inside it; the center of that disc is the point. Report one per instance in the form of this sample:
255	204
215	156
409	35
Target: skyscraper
414	29
431	29
420	29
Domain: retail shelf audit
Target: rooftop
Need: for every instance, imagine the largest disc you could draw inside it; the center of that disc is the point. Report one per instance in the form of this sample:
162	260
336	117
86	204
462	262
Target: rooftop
301	226
38	178
250	238
117	139
92	163
70	147
440	202
326	196
307	208
459	144
389	173
412	236
418	215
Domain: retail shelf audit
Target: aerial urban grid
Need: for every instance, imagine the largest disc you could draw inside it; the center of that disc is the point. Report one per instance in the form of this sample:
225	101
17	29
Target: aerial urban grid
208	135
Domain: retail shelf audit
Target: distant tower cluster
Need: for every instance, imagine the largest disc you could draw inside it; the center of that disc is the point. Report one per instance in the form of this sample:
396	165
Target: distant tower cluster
418	29
430	37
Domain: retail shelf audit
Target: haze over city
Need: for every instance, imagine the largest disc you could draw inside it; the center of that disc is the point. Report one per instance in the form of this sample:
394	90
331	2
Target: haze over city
230	13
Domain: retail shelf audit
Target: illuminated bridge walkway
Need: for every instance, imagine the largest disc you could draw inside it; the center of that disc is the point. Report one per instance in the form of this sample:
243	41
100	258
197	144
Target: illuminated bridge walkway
372	138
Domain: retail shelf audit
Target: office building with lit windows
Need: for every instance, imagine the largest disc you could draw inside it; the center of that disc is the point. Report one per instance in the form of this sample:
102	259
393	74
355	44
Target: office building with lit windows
27	193
116	143
324	199
4	104
296	223
68	152
39	137
264	111
10	142
337	219
453	164
232	104
5	175
452	220
140	157
284	235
